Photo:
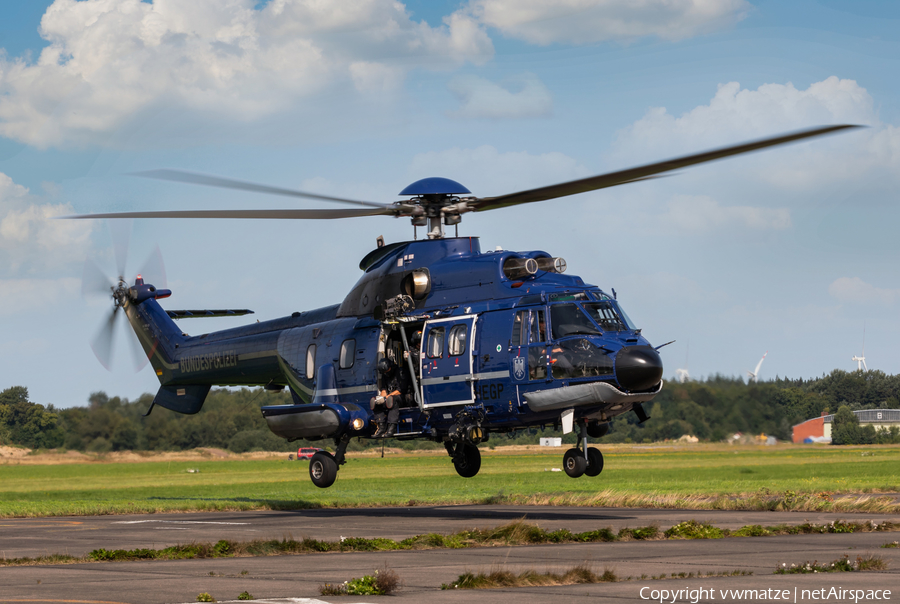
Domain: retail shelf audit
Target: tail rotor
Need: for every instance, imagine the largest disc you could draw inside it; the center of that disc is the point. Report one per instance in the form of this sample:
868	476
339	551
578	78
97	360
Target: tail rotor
95	282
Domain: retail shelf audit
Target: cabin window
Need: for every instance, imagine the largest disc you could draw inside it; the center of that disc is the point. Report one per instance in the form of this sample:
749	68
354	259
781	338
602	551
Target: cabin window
569	319
348	350
311	362
436	343
456	340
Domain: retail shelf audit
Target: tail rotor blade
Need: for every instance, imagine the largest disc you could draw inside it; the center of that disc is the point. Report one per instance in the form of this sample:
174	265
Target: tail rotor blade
138	355
154	269
120	230
102	344
93	280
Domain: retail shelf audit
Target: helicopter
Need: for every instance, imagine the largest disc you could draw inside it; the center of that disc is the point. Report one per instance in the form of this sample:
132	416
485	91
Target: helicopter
489	342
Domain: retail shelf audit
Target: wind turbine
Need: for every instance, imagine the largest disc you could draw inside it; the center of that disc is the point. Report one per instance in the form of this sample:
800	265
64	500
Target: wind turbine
754	375
682	374
861	361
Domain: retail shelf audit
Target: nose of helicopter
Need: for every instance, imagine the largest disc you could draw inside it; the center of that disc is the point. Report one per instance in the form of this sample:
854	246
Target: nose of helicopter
638	367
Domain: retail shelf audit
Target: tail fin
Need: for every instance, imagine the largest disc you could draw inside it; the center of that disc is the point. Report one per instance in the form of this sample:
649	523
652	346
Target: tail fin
159	336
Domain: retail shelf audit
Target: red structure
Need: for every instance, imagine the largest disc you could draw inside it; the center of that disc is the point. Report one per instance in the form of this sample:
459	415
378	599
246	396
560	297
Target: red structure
811	428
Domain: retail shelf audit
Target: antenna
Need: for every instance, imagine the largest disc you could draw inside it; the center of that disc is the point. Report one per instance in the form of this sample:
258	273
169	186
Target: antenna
754	375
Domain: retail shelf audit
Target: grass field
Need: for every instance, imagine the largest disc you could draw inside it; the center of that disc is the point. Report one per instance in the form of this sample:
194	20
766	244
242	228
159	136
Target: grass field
699	476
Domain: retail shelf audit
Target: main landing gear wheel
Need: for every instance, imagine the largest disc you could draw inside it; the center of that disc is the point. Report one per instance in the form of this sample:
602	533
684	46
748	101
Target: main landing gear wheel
323	469
574	463
467	460
594	462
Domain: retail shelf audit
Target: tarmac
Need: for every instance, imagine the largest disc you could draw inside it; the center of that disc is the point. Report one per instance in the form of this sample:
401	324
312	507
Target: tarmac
422	572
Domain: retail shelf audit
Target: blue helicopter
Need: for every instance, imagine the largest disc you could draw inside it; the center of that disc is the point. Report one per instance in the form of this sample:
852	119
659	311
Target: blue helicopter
438	339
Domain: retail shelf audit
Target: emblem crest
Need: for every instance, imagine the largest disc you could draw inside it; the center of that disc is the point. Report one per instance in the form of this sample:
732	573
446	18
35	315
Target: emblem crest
519	368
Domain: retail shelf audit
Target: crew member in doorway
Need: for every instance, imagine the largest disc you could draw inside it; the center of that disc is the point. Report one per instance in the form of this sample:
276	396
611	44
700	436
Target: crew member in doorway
386	406
415	343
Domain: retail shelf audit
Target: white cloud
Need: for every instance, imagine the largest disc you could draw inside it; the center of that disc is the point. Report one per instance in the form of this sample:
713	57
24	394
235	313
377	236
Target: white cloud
593	21
30	238
702	213
375	77
108	60
853	290
518	97
29	295
734	111
486	171
735	114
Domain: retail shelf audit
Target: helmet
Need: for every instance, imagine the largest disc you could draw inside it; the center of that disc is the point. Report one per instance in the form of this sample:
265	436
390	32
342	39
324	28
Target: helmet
385	365
416	337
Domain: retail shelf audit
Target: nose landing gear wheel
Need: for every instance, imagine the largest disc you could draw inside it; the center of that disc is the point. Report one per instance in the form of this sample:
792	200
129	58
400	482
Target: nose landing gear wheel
594	462
467	460
323	469
574	463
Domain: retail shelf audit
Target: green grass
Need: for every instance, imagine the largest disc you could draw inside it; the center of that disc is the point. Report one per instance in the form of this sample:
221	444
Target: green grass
519	532
700	477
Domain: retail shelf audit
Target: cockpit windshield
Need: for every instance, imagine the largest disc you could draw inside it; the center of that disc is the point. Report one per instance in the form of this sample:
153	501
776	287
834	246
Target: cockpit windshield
628	322
569	319
604	313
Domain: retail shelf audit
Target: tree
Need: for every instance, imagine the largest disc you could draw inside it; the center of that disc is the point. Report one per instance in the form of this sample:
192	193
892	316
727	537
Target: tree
845	429
25	423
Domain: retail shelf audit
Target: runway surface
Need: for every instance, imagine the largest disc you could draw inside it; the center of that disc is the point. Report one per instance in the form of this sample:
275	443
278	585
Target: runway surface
423	572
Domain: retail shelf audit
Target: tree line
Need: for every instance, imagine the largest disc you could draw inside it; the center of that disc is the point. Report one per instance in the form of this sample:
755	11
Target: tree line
710	409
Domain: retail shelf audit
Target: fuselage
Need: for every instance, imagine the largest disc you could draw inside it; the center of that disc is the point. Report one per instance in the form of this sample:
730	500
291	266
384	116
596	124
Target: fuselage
521	350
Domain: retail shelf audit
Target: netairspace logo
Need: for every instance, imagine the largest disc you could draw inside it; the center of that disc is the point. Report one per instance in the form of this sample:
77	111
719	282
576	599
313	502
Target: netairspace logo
838	594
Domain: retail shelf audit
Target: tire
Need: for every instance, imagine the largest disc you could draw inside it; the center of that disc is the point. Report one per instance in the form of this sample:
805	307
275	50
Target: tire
574	463
322	470
467	461
594	462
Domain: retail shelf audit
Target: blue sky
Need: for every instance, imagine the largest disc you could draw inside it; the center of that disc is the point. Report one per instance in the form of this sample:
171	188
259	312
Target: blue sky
791	251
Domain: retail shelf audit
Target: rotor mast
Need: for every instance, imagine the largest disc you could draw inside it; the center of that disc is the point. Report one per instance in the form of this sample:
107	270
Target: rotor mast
435	204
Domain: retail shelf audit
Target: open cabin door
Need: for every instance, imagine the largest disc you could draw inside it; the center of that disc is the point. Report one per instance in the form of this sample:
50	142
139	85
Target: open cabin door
447	362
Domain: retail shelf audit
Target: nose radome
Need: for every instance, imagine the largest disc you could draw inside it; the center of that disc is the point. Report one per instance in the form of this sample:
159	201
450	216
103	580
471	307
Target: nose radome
638	368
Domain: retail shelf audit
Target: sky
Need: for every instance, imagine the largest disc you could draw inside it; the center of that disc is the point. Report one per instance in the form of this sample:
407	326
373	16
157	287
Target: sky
791	251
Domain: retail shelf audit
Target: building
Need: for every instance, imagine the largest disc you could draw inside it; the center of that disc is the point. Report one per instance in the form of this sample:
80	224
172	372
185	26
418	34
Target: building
818	429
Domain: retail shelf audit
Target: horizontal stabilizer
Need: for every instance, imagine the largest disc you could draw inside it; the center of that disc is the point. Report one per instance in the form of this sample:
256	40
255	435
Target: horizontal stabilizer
189	314
182	399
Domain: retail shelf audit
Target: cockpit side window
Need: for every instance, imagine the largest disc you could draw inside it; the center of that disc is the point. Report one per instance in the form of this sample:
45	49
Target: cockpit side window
569	319
538	327
519	334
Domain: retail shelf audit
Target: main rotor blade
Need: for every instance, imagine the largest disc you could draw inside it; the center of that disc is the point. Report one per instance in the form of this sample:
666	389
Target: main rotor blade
622	177
102	344
246	214
94	282
228	183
